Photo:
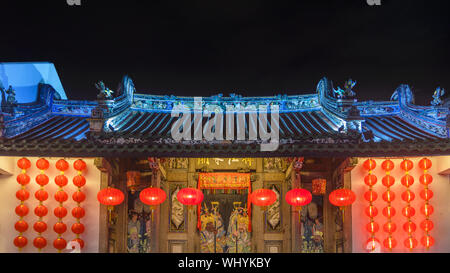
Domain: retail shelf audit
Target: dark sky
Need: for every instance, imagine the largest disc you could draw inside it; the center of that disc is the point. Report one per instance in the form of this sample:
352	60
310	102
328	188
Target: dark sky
250	47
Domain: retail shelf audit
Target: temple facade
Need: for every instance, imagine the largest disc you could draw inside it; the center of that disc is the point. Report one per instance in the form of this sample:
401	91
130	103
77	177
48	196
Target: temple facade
126	141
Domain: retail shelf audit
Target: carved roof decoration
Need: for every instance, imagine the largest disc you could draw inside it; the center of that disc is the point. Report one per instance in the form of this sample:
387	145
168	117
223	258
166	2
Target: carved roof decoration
128	123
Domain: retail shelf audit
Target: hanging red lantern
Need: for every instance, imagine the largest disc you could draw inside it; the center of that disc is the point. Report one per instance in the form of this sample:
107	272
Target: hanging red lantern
24	163
427	210
40	243
133	180
371	211
60	244
62	165
80	242
390	243
22	210
23	179
41	211
61	196
263	197
407	180
41	195
372	227
79	165
425	164
319	186
190	196
78	212
60	212
60	228
427	225
388	196
79	197
298	198
78	228
79	181
408	212
388	181
42	164
22	195
427	241
42	179
370	180
426	179
406	165
387	165
372	244
110	197
370	164
411	243
152	196
408	196
342	197
409	227
40	227
61	180
20	242
370	196
426	194
389	227
21	226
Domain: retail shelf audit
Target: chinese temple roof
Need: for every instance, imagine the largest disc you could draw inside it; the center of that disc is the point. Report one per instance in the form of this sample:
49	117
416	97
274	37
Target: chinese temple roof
330	122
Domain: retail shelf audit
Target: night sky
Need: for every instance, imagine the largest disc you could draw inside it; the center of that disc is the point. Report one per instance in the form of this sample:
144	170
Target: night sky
249	47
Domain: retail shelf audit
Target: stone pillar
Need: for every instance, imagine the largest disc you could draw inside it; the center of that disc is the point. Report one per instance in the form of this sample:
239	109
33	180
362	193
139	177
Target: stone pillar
193	239
106	177
257	212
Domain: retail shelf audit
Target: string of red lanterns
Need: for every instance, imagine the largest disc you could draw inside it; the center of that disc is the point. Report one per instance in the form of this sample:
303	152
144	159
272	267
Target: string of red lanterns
389	196
408	211
371	211
22	210
61	196
41	195
78	212
426	194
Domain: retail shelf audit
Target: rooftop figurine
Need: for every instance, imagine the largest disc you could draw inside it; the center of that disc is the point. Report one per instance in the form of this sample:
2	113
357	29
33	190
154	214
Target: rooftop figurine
437	96
105	92
347	92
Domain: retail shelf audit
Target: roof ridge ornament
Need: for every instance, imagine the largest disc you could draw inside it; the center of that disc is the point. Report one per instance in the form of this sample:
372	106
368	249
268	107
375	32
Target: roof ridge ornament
347	92
105	92
437	97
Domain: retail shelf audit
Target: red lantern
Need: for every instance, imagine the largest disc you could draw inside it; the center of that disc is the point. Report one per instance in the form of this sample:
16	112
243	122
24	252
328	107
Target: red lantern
427	210
411	243
40	211
21	226
79	181
426	179
372	244
425	164
426	194
408	212
190	196
79	197
23	179
40	227
62	165
79	165
389	227
61	180
60	212
60	244
370	180
61	196
408	196
22	195
152	196
42	179
427	225
372	227
42	164
298	197
390	243
409	227
78	228
78	212
406	165
110	197
427	241
371	211
22	210
319	186
388	196
263	197
80	242
388	181
41	195
40	242
370	196
407	180
20	242
24	163
60	228
370	164
387	165
342	197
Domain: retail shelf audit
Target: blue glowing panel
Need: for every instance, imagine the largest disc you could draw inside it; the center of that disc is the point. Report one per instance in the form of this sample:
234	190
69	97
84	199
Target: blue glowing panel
25	78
